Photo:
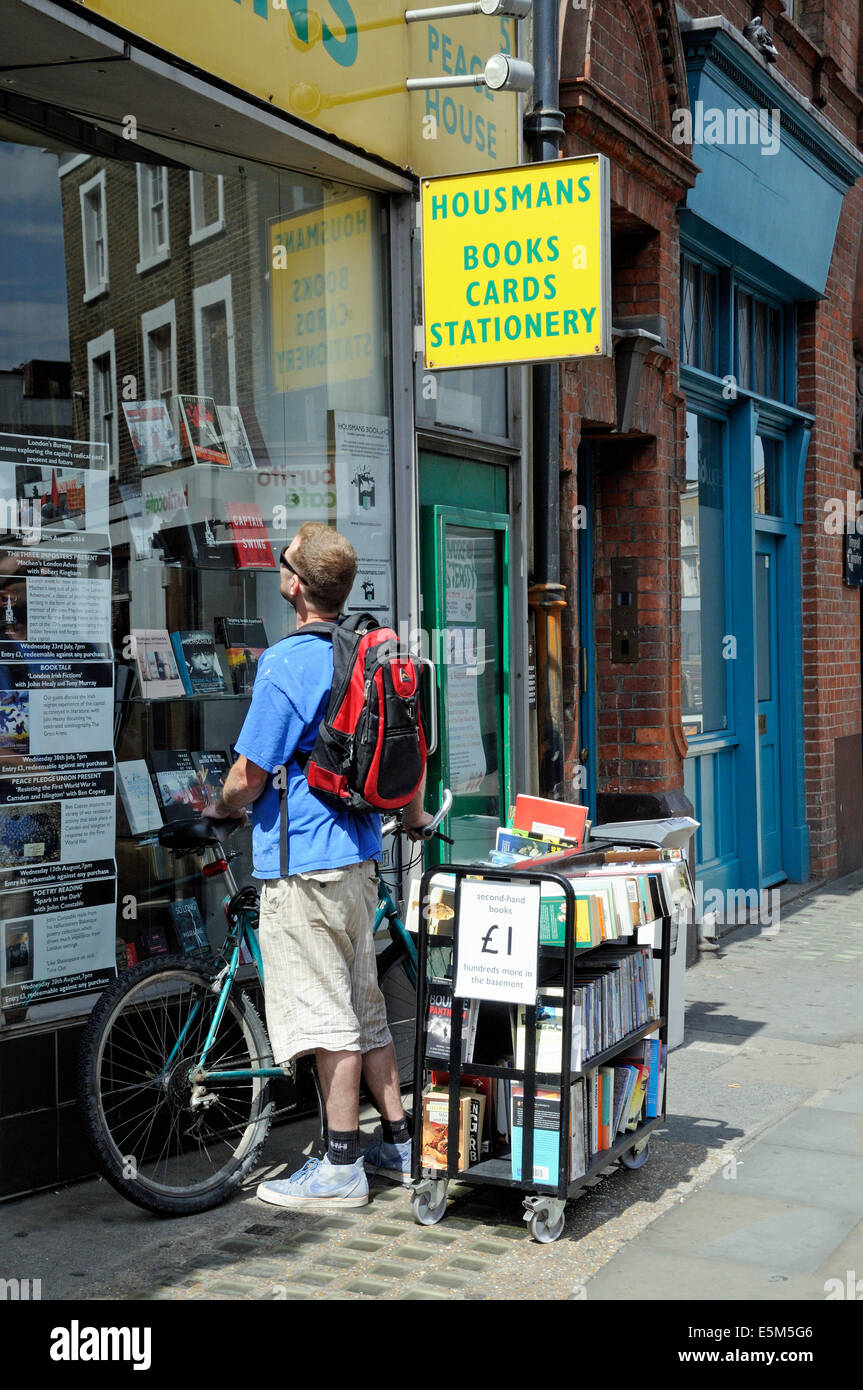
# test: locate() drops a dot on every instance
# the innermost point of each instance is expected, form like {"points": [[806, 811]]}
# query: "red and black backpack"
{"points": [[370, 752]]}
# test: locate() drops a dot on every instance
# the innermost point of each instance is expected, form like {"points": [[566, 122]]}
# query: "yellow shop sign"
{"points": [[341, 66], [323, 321], [516, 264]]}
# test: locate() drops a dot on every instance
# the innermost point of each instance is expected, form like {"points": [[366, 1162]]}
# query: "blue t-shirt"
{"points": [[289, 700]]}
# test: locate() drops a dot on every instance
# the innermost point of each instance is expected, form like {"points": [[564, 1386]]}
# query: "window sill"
{"points": [[206, 233], [150, 262], [96, 293]]}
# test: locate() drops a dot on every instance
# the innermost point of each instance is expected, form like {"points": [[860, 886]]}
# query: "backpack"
{"points": [[370, 752]]}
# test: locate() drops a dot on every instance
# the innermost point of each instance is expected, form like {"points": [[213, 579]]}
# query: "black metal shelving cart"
{"points": [[544, 1202]]}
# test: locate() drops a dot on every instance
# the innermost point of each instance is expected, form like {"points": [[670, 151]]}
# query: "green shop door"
{"points": [[464, 572]]}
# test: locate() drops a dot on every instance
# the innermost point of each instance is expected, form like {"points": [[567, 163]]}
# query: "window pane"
{"points": [[775, 354], [214, 349], [765, 469], [743, 329], [708, 321], [703, 579], [760, 353], [762, 625], [690, 315]]}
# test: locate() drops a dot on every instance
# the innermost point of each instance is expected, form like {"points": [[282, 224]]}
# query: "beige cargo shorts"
{"points": [[320, 974]]}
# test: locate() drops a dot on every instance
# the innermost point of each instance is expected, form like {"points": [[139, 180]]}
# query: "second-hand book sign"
{"points": [[498, 939]]}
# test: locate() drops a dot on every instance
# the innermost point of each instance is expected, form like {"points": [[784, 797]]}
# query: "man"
{"points": [[316, 941]]}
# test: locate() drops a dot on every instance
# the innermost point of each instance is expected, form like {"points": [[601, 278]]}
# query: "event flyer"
{"points": [[47, 708], [54, 603], [55, 941], [363, 486], [52, 821]]}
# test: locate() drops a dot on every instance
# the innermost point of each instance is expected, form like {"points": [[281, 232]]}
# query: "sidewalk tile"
{"points": [[720, 1223], [821, 1128], [808, 1177]]}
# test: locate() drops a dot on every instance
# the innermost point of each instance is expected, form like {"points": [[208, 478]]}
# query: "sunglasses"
{"points": [[286, 565]]}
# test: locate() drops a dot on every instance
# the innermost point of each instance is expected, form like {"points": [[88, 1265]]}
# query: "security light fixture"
{"points": [[514, 9]]}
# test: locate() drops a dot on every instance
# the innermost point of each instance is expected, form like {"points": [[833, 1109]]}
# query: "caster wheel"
{"points": [[424, 1213], [544, 1230], [635, 1158]]}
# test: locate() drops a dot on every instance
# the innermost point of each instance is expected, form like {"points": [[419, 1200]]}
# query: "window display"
{"points": [[223, 342]]}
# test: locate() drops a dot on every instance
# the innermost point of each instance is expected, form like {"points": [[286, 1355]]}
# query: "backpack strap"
{"points": [[321, 629]]}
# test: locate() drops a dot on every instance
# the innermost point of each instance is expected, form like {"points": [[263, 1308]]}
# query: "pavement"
{"points": [[753, 1189]]}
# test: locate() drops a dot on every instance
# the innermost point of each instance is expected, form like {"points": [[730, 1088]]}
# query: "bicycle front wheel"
{"points": [[163, 1142]]}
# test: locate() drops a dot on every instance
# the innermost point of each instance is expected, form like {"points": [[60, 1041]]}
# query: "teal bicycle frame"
{"points": [[241, 929]]}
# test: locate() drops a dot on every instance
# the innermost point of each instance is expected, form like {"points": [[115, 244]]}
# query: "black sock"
{"points": [[343, 1146], [395, 1133]]}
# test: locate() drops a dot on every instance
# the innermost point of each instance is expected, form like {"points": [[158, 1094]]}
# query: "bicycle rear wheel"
{"points": [[164, 1144], [400, 994]]}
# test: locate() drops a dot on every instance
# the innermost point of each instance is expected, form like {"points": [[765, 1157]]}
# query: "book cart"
{"points": [[544, 1202]]}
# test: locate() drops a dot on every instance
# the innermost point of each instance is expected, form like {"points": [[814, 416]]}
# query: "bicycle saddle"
{"points": [[187, 836]]}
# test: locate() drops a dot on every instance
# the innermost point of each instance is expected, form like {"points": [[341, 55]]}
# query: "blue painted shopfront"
{"points": [[757, 237]]}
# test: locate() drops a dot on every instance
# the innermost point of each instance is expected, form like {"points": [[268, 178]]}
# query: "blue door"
{"points": [[768, 695]]}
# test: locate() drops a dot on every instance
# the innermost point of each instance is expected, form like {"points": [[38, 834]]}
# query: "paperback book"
{"points": [[197, 663], [252, 549], [138, 798], [245, 641], [156, 665], [188, 925], [203, 431]]}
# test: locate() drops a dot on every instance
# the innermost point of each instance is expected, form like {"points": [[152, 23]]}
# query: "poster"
{"points": [[57, 794], [50, 708], [54, 603], [55, 819], [461, 579], [55, 941], [364, 506], [467, 765], [372, 590], [498, 941]]}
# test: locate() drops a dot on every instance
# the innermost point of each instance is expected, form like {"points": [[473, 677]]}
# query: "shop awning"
{"points": [[774, 171]]}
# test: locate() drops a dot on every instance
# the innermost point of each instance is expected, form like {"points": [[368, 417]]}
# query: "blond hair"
{"points": [[328, 563]]}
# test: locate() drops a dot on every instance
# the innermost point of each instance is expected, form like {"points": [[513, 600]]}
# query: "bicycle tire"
{"points": [[192, 1158], [400, 996]]}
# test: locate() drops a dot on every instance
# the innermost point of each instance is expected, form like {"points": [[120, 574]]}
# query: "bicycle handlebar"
{"points": [[426, 832]]}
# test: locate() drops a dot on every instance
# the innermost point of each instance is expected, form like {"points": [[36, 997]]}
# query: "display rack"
{"points": [[544, 1202]]}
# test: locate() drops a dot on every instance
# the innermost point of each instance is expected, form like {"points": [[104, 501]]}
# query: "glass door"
{"points": [[465, 580], [770, 800]]}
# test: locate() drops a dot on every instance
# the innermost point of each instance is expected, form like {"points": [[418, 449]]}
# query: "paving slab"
{"points": [[719, 1223], [653, 1274], [822, 1129]]}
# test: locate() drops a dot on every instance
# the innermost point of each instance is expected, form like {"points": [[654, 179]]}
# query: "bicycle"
{"points": [[175, 1068]]}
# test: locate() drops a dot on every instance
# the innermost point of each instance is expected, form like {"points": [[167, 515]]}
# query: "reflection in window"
{"points": [[154, 245], [765, 476], [206, 205], [703, 579], [95, 236]]}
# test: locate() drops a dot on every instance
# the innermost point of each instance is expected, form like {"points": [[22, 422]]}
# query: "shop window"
{"points": [[196, 427], [703, 665], [153, 237], [758, 335], [698, 315], [206, 206], [94, 233]]}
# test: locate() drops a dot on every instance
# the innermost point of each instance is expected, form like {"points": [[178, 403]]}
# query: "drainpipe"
{"points": [[543, 129]]}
